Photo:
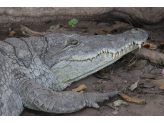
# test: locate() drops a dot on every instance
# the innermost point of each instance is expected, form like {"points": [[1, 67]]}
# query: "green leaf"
{"points": [[73, 21]]}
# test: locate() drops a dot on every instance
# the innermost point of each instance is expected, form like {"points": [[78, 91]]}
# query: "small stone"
{"points": [[115, 112]]}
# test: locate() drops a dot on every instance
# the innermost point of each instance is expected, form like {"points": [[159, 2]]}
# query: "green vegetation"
{"points": [[72, 22]]}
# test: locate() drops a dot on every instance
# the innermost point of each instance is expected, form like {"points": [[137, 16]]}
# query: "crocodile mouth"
{"points": [[114, 54], [107, 58], [70, 72]]}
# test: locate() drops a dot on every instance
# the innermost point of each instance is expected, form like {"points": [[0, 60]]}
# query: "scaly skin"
{"points": [[34, 70]]}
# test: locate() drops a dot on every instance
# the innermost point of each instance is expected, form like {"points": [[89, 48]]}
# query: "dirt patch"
{"points": [[120, 75]]}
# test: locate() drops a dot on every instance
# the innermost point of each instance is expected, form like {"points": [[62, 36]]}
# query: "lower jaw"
{"points": [[93, 71], [99, 68], [74, 73]]}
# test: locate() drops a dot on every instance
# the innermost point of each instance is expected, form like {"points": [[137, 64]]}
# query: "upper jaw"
{"points": [[92, 47], [116, 45], [114, 53]]}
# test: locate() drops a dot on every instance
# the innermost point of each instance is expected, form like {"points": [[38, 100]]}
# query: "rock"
{"points": [[137, 16]]}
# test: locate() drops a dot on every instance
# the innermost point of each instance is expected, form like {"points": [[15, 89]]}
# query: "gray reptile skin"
{"points": [[34, 70]]}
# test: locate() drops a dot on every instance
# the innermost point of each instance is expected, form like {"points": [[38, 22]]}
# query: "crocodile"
{"points": [[35, 70]]}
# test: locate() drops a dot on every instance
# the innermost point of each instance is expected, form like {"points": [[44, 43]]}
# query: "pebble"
{"points": [[115, 112]]}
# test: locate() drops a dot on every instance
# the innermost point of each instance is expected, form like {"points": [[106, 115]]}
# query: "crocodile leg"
{"points": [[10, 101], [38, 97]]}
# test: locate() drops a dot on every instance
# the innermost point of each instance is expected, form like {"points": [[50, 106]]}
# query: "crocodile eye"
{"points": [[73, 42]]}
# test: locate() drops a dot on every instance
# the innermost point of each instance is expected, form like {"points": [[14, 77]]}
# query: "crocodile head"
{"points": [[74, 57]]}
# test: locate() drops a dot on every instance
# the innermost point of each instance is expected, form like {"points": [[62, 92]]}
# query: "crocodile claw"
{"points": [[91, 99]]}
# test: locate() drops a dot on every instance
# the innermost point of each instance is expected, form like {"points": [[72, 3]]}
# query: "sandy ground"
{"points": [[119, 75]]}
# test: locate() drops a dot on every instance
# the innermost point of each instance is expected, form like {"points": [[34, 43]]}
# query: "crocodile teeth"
{"points": [[119, 52], [101, 51], [114, 55], [123, 51]]}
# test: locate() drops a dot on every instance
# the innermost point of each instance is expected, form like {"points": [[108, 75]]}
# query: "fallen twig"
{"points": [[132, 63], [111, 106], [27, 31]]}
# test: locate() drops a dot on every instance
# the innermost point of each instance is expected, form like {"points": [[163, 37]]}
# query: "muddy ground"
{"points": [[118, 76]]}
